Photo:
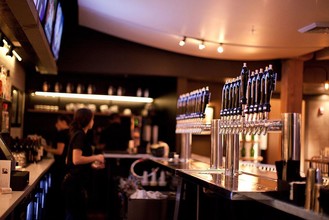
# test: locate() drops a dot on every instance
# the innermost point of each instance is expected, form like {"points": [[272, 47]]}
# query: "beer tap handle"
{"points": [[230, 99], [253, 92], [243, 85], [256, 82], [248, 94], [233, 100], [257, 90], [223, 101], [262, 91], [237, 105], [270, 83], [205, 99]]}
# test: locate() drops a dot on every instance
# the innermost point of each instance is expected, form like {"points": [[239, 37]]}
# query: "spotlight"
{"points": [[19, 58], [326, 85], [10, 51], [220, 48], [201, 45], [182, 42]]}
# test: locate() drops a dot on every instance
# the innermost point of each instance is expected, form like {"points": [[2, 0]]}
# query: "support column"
{"points": [[292, 86]]}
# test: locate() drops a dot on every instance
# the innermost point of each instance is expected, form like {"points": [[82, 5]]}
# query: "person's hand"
{"points": [[100, 158], [99, 163]]}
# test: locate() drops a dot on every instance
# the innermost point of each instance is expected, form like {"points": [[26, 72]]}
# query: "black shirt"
{"points": [[115, 137], [63, 136], [80, 141]]}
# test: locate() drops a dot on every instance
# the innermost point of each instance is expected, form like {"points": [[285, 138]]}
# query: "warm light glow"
{"points": [[182, 42], [96, 97], [209, 114], [326, 85], [19, 58], [220, 48], [201, 45]]}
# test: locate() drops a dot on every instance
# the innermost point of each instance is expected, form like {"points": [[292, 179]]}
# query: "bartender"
{"points": [[114, 137]]}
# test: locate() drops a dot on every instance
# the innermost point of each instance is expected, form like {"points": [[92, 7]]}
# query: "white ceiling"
{"points": [[248, 29]]}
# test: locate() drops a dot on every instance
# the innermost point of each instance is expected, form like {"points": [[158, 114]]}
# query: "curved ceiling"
{"points": [[248, 29]]}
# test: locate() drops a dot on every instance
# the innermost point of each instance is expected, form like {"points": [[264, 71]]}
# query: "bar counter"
{"points": [[8, 202], [252, 183]]}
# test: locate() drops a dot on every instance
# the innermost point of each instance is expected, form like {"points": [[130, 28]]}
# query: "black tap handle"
{"points": [[238, 104], [205, 100], [262, 91], [252, 91], [257, 90], [248, 94], [235, 97], [243, 85], [270, 82], [231, 98], [223, 100], [226, 99]]}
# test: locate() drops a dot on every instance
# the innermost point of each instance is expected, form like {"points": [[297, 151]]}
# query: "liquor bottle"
{"points": [[243, 149], [5, 118], [252, 150], [110, 90], [90, 89], [57, 87], [139, 92], [8, 86], [45, 86]]}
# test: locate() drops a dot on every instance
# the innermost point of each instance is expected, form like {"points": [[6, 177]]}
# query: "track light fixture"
{"points": [[201, 45], [182, 42], [4, 42], [19, 58], [202, 42], [220, 48]]}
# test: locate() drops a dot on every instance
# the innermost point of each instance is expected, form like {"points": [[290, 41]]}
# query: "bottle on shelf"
{"points": [[243, 149], [5, 118], [110, 90], [3, 82], [57, 87], [8, 86], [45, 86], [252, 150]]}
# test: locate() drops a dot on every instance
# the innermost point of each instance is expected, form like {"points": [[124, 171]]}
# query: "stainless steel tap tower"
{"points": [[191, 118], [245, 109]]}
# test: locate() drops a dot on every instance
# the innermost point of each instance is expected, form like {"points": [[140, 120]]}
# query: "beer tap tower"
{"points": [[245, 110], [191, 119]]}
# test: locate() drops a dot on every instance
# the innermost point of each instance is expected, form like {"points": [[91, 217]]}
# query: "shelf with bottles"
{"points": [[49, 104]]}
